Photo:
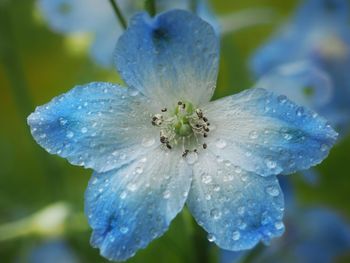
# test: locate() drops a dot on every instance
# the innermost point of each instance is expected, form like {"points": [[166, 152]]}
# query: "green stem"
{"points": [[150, 6], [119, 14], [194, 6]]}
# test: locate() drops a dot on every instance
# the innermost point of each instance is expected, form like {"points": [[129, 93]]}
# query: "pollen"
{"points": [[184, 126]]}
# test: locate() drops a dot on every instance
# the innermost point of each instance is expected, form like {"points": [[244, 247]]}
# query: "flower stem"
{"points": [[150, 6], [119, 14], [194, 5]]}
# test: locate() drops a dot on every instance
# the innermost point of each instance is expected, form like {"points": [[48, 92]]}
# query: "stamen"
{"points": [[185, 125]]}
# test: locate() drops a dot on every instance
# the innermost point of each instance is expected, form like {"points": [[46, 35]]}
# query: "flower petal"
{"points": [[237, 208], [266, 134], [99, 125], [129, 207], [170, 57], [301, 82]]}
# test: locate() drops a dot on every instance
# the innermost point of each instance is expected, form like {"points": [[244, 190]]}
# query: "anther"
{"points": [[179, 103], [205, 146], [205, 135], [164, 109], [184, 154], [199, 113], [205, 119], [206, 129], [168, 146]]}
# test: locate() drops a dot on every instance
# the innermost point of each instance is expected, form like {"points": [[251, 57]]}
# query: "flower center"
{"points": [[185, 126]]}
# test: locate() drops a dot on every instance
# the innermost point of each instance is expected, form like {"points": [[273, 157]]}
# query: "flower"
{"points": [[97, 18], [319, 34], [161, 143], [54, 250]]}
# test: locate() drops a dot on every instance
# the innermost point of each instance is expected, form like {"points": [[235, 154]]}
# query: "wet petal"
{"points": [[237, 208], [266, 134], [129, 207], [170, 57], [301, 82], [99, 125]]}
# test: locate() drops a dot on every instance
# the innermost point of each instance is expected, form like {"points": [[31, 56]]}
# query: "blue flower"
{"points": [[55, 251], [319, 33], [98, 19], [161, 143]]}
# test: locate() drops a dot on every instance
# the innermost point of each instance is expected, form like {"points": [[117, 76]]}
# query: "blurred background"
{"points": [[42, 196]]}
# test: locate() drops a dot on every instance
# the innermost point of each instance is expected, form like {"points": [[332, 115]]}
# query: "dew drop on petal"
{"points": [[124, 230], [253, 135], [84, 130], [211, 238], [148, 142], [270, 164], [70, 134], [191, 158], [220, 143], [236, 235], [272, 190], [139, 170], [279, 225], [206, 178], [166, 194], [215, 213]]}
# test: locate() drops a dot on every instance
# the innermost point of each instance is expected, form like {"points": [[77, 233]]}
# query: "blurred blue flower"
{"points": [[161, 143], [97, 18], [319, 33], [313, 234], [53, 251]]}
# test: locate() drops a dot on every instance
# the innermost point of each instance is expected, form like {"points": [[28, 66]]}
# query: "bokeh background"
{"points": [[38, 64]]}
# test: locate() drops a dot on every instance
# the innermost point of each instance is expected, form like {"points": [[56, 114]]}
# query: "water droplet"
{"points": [[282, 99], [236, 235], [84, 130], [272, 190], [123, 195], [166, 194], [133, 92], [300, 111], [139, 170], [191, 158], [70, 134], [324, 147], [132, 187], [94, 181], [124, 230], [63, 121], [253, 135], [220, 143], [43, 135], [241, 210], [211, 238], [206, 178], [271, 164], [279, 225], [215, 213], [148, 142]]}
